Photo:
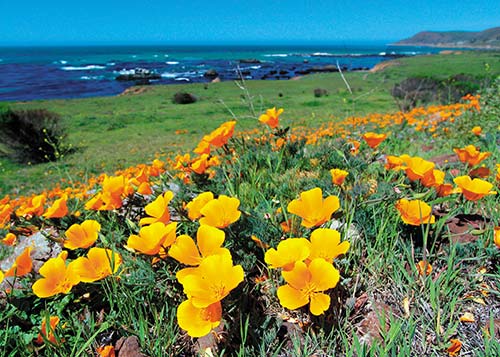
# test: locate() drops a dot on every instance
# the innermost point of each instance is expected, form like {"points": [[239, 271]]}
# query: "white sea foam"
{"points": [[110, 64], [91, 78], [83, 68], [322, 54], [169, 75], [182, 79], [255, 67], [172, 62], [382, 53], [277, 55]]}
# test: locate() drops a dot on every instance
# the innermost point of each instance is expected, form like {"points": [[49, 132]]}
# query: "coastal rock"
{"points": [[141, 75], [328, 68], [211, 74], [184, 98], [249, 60]]}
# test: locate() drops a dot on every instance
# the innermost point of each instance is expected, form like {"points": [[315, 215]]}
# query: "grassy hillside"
{"points": [[115, 132], [489, 38]]}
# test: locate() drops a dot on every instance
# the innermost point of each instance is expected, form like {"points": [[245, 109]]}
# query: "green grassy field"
{"points": [[115, 132]]}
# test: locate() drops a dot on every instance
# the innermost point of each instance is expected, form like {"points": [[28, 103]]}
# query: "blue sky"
{"points": [[162, 21]]}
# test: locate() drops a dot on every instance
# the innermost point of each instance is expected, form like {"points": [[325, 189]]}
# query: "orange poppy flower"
{"points": [[473, 189], [220, 212], [496, 236], [338, 176], [194, 207], [394, 163], [34, 207], [153, 239], [158, 210], [57, 277], [197, 321], [200, 164], [454, 349], [97, 265], [476, 130], [433, 178], [424, 268], [5, 213], [471, 155], [220, 136], [58, 209], [10, 239], [415, 212], [211, 281], [23, 264], [82, 235], [373, 139], [48, 333], [306, 284], [288, 252], [417, 168], [498, 173], [106, 351], [311, 207], [202, 148], [271, 117], [354, 147], [209, 239]]}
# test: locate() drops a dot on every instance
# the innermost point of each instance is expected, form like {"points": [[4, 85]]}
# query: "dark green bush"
{"points": [[32, 136]]}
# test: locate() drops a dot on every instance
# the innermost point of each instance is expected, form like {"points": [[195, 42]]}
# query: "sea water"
{"points": [[30, 73]]}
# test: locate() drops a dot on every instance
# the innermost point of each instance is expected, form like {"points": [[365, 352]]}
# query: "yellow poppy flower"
{"points": [[98, 264], [153, 239], [338, 176], [325, 243], [289, 251], [198, 322], [209, 239], [194, 207], [306, 284], [158, 209], [415, 212], [311, 207], [473, 189], [496, 236], [220, 212], [82, 235], [57, 277], [212, 280]]}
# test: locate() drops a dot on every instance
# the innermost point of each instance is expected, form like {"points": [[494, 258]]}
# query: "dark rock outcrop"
{"points": [[141, 75]]}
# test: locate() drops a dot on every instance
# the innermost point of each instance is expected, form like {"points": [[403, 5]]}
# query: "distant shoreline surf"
{"points": [[32, 73]]}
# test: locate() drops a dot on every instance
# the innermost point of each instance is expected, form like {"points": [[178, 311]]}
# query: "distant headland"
{"points": [[487, 39]]}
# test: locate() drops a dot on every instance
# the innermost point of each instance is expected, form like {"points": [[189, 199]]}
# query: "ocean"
{"points": [[31, 73]]}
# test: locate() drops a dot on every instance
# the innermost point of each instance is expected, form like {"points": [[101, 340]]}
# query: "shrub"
{"points": [[184, 98], [32, 136], [320, 92]]}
